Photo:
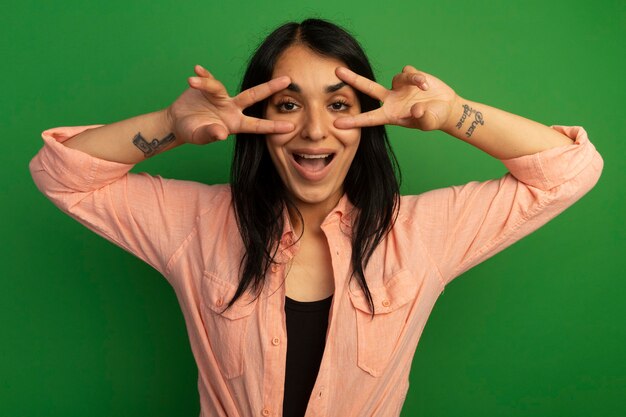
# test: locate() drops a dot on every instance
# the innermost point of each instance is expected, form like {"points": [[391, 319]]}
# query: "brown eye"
{"points": [[286, 106], [339, 106]]}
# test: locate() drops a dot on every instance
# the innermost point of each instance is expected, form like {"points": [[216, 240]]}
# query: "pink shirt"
{"points": [[187, 231]]}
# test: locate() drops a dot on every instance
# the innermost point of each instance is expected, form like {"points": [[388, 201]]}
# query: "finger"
{"points": [[418, 110], [420, 77], [409, 68], [208, 85], [263, 126], [260, 92], [371, 118], [409, 78], [365, 85], [406, 78], [209, 133], [202, 72], [426, 120]]}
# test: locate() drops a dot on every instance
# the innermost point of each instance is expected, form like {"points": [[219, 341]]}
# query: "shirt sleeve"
{"points": [[148, 216], [464, 225]]}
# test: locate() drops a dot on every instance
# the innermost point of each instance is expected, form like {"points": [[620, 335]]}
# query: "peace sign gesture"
{"points": [[417, 100], [205, 112]]}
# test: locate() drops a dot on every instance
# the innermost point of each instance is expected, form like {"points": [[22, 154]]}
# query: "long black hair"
{"points": [[259, 196]]}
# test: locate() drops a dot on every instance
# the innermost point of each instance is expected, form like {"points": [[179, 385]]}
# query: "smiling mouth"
{"points": [[313, 163]]}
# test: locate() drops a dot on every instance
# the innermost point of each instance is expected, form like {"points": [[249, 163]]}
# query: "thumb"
{"points": [[208, 133], [425, 116]]}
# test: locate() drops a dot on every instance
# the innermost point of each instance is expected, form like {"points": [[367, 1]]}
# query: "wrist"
{"points": [[455, 116], [166, 119], [167, 123]]}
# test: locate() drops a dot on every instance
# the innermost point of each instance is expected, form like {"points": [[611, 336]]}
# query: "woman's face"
{"points": [[315, 157]]}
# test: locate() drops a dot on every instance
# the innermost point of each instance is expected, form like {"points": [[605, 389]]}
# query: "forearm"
{"points": [[501, 134], [128, 141]]}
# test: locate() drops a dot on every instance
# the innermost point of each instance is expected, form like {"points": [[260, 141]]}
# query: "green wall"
{"points": [[538, 330]]}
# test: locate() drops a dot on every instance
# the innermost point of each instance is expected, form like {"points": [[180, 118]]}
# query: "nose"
{"points": [[315, 125]]}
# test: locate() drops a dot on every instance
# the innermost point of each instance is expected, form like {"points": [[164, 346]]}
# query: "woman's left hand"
{"points": [[417, 100]]}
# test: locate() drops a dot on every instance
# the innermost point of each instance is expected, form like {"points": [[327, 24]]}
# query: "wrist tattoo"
{"points": [[478, 119], [153, 147]]}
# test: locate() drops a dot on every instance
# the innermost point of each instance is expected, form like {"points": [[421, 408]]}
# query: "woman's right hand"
{"points": [[205, 112]]}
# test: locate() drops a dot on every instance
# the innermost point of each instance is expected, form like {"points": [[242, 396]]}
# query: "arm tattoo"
{"points": [[153, 147], [478, 119]]}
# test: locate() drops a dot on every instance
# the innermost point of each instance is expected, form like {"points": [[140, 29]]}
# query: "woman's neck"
{"points": [[313, 215]]}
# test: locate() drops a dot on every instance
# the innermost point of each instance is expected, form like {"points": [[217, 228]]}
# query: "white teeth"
{"points": [[305, 156]]}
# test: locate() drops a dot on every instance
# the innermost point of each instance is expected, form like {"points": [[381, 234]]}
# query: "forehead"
{"points": [[302, 64]]}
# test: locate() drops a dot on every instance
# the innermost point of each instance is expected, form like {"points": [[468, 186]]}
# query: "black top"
{"points": [[307, 322]]}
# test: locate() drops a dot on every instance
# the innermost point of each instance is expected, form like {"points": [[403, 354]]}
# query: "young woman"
{"points": [[306, 282]]}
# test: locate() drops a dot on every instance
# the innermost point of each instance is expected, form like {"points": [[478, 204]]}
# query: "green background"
{"points": [[537, 330]]}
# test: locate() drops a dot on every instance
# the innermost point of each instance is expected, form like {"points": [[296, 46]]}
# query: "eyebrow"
{"points": [[330, 89]]}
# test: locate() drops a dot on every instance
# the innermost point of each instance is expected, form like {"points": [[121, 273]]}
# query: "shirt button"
{"points": [[265, 412], [219, 302], [276, 341], [386, 303], [274, 268]]}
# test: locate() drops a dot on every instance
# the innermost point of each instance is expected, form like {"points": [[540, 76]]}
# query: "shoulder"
{"points": [[216, 196], [189, 197], [427, 204]]}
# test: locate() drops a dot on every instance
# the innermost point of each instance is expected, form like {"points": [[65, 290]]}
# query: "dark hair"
{"points": [[259, 196]]}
